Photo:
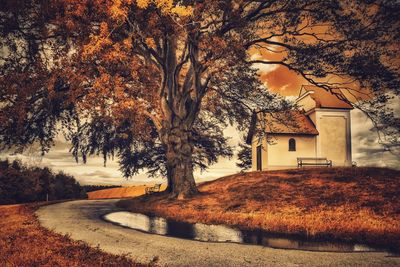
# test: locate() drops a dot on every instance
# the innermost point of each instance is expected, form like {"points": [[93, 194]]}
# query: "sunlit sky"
{"points": [[366, 150]]}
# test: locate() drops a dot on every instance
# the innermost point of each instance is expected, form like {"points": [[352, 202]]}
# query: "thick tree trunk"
{"points": [[181, 182], [179, 112]]}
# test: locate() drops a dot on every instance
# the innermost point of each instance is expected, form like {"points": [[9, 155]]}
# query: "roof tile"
{"points": [[293, 122]]}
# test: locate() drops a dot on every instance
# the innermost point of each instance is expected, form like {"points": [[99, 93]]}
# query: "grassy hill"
{"points": [[357, 204], [120, 192]]}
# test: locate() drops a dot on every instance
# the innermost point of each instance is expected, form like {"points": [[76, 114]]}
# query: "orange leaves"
{"points": [[102, 82], [183, 11], [167, 7], [117, 11], [104, 29], [97, 42], [115, 53], [142, 3], [127, 43], [150, 43], [110, 50]]}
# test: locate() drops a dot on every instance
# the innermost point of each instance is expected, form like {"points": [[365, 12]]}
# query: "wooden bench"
{"points": [[153, 189], [314, 162]]}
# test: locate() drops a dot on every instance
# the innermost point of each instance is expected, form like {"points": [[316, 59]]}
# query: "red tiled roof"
{"points": [[325, 99], [293, 122]]}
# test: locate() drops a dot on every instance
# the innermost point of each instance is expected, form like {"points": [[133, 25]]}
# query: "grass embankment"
{"points": [[120, 192], [23, 242], [352, 204]]}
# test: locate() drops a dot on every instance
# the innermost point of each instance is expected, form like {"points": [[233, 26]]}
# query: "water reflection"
{"points": [[221, 233], [217, 233]]}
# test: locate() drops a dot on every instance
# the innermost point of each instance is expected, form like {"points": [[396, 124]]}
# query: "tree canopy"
{"points": [[155, 82]]}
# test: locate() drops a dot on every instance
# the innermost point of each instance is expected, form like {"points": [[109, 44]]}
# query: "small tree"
{"points": [[244, 156], [155, 82]]}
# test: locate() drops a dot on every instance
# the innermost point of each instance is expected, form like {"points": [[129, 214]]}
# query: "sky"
{"points": [[366, 150]]}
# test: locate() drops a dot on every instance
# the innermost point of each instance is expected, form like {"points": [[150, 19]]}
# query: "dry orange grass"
{"points": [[357, 204], [120, 192], [23, 242]]}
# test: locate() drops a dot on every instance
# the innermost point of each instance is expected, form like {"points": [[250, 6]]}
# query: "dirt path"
{"points": [[82, 220]]}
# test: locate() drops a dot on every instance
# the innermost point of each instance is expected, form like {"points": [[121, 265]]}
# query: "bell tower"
{"points": [[331, 117]]}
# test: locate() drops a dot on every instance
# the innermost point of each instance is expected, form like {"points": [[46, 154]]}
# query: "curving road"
{"points": [[82, 221]]}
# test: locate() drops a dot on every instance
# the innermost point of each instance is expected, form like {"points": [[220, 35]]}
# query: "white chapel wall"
{"points": [[334, 140], [279, 154]]}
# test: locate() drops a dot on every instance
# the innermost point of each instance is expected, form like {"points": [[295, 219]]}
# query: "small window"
{"points": [[292, 144]]}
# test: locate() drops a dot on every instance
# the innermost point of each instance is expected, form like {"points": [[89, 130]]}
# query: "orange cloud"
{"points": [[277, 78], [282, 81]]}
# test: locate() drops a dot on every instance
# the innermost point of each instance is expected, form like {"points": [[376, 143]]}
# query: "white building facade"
{"points": [[321, 130]]}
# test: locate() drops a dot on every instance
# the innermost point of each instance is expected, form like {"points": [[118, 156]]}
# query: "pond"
{"points": [[222, 233]]}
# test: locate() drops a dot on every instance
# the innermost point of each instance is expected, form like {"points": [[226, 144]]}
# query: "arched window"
{"points": [[292, 144]]}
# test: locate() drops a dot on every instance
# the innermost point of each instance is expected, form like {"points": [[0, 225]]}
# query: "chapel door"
{"points": [[259, 159]]}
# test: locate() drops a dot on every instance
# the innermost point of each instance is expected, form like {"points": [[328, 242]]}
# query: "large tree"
{"points": [[156, 81]]}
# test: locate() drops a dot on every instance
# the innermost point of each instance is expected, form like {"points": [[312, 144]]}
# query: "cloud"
{"points": [[263, 68], [282, 81], [99, 173], [109, 176], [367, 151]]}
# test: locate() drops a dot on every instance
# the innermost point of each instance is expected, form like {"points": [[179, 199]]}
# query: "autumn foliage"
{"points": [[155, 82]]}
